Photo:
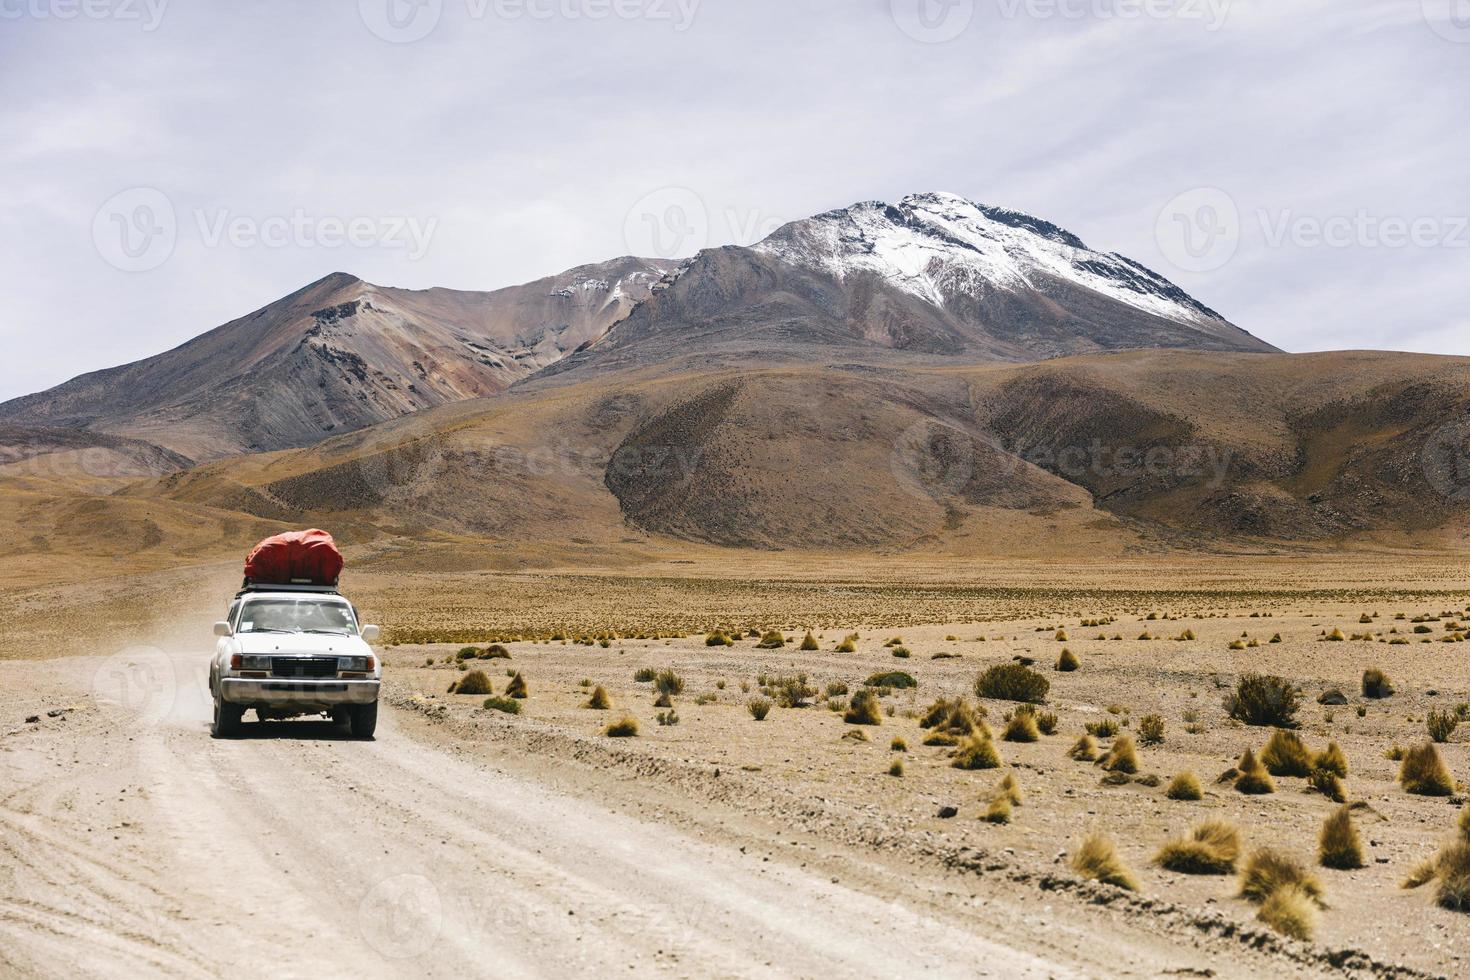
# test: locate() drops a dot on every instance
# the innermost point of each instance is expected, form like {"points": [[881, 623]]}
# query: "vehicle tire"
{"points": [[341, 716], [227, 717], [364, 720]]}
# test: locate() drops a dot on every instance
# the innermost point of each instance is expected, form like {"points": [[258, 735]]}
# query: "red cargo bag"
{"points": [[295, 558]]}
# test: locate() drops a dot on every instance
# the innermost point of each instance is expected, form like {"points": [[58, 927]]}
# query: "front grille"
{"points": [[303, 666]]}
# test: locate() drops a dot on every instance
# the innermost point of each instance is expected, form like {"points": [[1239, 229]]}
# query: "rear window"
{"points": [[306, 615]]}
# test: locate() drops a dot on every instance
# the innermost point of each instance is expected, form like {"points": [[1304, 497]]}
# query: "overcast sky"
{"points": [[167, 165]]}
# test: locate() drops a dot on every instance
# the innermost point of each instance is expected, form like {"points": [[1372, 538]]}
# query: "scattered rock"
{"points": [[948, 812], [32, 719], [1332, 696]]}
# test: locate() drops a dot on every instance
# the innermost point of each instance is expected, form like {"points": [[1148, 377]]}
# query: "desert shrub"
{"points": [[1106, 728], [1211, 848], [809, 642], [626, 728], [955, 716], [644, 674], [517, 688], [1331, 759], [667, 719], [1096, 858], [1267, 871], [718, 639], [475, 682], [896, 679], [895, 768], [1442, 725], [1184, 786], [1452, 869], [771, 640], [791, 691], [898, 745], [1290, 911], [1423, 772], [1122, 757], [999, 810], [1260, 699], [1021, 727], [1151, 729], [902, 653], [848, 644], [599, 701], [668, 682], [1338, 846], [976, 752], [509, 706], [1046, 721], [1010, 787], [663, 701], [1068, 661], [864, 709], [708, 697], [494, 652], [1012, 682], [1286, 755], [758, 708], [1253, 778], [1376, 684], [467, 653], [1085, 749], [836, 689]]}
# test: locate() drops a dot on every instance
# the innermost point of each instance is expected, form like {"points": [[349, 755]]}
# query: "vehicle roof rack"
{"points": [[307, 587]]}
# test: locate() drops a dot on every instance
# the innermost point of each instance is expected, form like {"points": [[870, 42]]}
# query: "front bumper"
{"points": [[297, 693]]}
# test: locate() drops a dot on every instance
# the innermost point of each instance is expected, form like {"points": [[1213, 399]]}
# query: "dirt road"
{"points": [[133, 844]]}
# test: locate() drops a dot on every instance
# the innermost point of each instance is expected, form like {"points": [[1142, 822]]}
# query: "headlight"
{"points": [[239, 662], [357, 665]]}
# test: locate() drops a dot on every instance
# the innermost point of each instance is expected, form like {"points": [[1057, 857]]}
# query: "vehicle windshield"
{"points": [[297, 616]]}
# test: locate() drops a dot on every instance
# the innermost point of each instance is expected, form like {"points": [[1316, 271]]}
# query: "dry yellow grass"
{"points": [[1096, 858]]}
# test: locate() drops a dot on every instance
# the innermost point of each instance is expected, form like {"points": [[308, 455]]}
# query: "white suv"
{"points": [[287, 651]]}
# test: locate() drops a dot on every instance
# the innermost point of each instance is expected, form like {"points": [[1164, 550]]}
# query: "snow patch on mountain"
{"points": [[939, 247]]}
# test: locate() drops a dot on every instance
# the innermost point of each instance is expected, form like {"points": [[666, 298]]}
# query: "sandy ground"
{"points": [[468, 842]]}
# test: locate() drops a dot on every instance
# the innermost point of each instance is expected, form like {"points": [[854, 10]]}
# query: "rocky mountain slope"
{"points": [[338, 355]]}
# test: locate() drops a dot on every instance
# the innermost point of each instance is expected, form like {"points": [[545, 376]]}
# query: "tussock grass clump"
{"points": [[599, 701], [1267, 871], [643, 675], [952, 716], [791, 691], [1151, 729], [1261, 699], [1012, 682], [1423, 772], [1097, 859], [864, 709], [505, 705], [976, 752], [1122, 757], [771, 640], [663, 701], [1376, 684], [1068, 661], [475, 682], [494, 652], [1010, 787], [1106, 728], [809, 642], [1332, 760], [848, 644], [999, 810], [1252, 778], [1286, 755], [1021, 727], [517, 688], [1328, 784], [1185, 786], [1291, 912], [1339, 846], [1441, 725], [1084, 750], [758, 708], [898, 744], [1046, 721], [718, 639], [668, 682], [1452, 869], [626, 728], [895, 768], [1212, 848], [667, 719]]}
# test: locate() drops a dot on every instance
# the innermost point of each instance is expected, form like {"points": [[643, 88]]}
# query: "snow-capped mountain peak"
{"points": [[940, 246]]}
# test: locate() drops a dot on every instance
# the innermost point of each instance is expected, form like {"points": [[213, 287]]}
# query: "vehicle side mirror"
{"points": [[223, 629], [370, 634]]}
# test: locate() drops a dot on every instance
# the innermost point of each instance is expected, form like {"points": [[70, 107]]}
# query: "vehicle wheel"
{"points": [[227, 717], [341, 716], [364, 720]]}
